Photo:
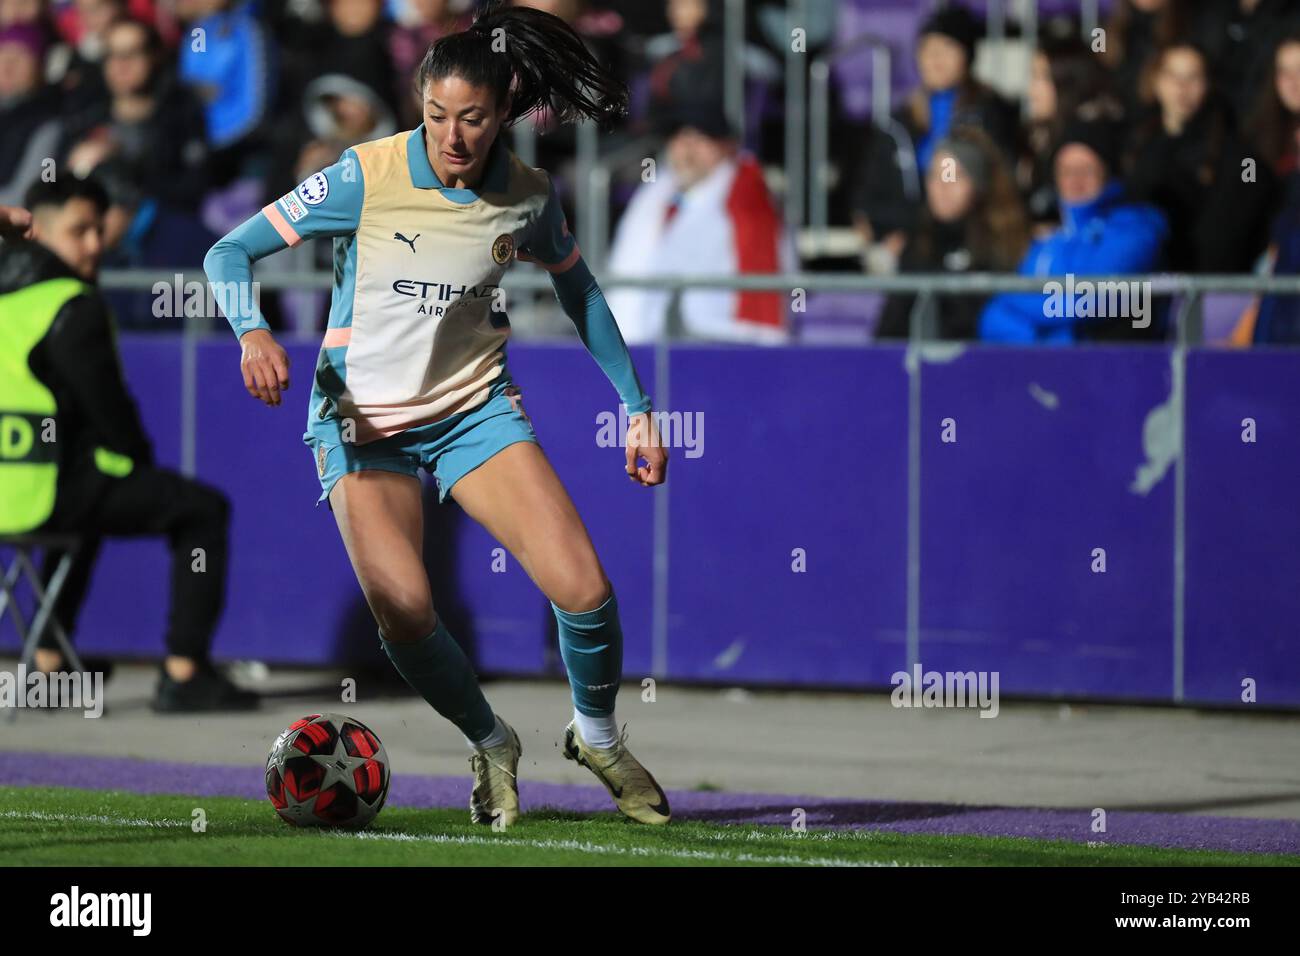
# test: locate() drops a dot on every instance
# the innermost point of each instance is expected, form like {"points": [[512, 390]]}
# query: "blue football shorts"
{"points": [[448, 449]]}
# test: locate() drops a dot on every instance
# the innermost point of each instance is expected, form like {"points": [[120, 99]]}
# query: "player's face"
{"points": [[74, 233], [461, 122]]}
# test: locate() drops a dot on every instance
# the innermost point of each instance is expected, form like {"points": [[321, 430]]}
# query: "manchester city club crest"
{"points": [[503, 249]]}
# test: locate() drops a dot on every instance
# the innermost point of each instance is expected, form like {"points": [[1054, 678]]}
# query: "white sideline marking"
{"points": [[580, 846], [87, 818], [589, 847]]}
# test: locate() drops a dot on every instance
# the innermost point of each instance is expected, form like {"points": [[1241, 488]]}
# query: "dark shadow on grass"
{"points": [[549, 814], [846, 813]]}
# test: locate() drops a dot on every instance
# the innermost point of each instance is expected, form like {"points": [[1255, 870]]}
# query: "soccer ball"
{"points": [[327, 770]]}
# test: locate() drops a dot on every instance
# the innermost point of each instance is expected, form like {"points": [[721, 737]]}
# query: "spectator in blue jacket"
{"points": [[1101, 233], [230, 63]]}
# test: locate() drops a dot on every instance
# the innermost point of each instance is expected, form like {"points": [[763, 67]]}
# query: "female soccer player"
{"points": [[412, 373]]}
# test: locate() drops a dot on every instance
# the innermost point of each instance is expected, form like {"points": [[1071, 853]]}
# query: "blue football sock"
{"points": [[438, 669], [591, 644]]}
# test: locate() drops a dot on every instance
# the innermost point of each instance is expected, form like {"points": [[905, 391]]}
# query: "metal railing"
{"points": [[1190, 288], [734, 77], [968, 283], [795, 116]]}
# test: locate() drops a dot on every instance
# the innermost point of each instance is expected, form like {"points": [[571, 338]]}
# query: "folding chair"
{"points": [[24, 545]]}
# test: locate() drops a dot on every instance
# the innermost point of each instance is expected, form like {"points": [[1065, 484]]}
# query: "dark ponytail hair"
{"points": [[536, 58]]}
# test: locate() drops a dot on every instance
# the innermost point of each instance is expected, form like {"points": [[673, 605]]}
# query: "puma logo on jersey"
{"points": [[409, 242]]}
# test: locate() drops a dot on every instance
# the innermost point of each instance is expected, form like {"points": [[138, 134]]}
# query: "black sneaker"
{"points": [[207, 690]]}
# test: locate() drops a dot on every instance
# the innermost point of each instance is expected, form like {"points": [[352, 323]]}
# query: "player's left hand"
{"points": [[643, 442]]}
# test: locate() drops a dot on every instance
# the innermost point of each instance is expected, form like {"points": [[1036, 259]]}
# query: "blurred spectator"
{"points": [[1238, 36], [78, 66], [29, 111], [233, 70], [972, 222], [407, 45], [142, 233], [888, 191], [1102, 233], [1274, 127], [687, 64], [1135, 30], [1188, 161], [706, 212], [341, 112], [355, 41], [150, 123], [77, 19], [32, 12], [339, 91], [1066, 83]]}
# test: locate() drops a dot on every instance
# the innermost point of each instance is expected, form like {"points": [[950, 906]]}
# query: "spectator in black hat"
{"points": [[888, 191], [1067, 82], [1102, 232]]}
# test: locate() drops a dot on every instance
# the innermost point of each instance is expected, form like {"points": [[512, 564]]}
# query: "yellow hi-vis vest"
{"points": [[29, 470]]}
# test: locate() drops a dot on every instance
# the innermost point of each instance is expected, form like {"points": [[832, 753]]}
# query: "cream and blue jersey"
{"points": [[417, 327]]}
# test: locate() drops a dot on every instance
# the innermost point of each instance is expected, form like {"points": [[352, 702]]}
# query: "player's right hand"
{"points": [[265, 365]]}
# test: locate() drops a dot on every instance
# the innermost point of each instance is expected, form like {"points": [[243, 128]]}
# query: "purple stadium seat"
{"points": [[894, 22], [836, 318], [1220, 313]]}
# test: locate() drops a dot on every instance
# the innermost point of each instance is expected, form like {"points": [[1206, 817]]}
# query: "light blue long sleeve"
{"points": [[229, 266], [327, 203], [554, 248], [585, 305]]}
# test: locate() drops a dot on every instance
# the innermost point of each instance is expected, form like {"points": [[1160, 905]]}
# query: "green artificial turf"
{"points": [[67, 827]]}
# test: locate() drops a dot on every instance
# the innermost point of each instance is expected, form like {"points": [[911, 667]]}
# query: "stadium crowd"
{"points": [[1168, 141]]}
